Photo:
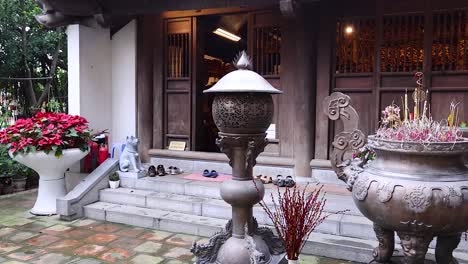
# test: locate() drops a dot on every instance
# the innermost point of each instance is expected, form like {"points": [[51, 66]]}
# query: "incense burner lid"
{"points": [[243, 80]]}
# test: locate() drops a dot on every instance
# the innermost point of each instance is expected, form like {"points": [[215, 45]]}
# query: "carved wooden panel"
{"points": [[409, 36], [265, 43], [450, 41], [355, 43], [402, 48]]}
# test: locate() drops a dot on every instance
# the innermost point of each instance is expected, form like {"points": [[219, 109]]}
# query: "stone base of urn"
{"points": [[242, 241], [51, 172]]}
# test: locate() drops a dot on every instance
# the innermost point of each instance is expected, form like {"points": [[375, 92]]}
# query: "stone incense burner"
{"points": [[415, 190]]}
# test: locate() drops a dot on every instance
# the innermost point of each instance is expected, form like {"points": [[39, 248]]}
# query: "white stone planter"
{"points": [[292, 261], [114, 184], [51, 172]]}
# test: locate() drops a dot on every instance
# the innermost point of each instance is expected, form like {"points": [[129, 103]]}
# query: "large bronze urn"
{"points": [[416, 190], [242, 111]]}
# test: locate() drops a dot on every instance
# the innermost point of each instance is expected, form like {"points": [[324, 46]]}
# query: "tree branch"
{"points": [[53, 68], [29, 91]]}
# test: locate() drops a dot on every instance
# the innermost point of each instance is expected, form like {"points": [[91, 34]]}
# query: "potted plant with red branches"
{"points": [[295, 214], [48, 143]]}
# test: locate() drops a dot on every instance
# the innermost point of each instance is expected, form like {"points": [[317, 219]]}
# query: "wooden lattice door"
{"points": [[178, 76]]}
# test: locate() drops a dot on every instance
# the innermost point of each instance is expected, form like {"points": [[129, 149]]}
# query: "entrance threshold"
{"points": [[197, 161]]}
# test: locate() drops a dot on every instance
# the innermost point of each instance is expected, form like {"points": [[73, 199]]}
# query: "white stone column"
{"points": [[102, 78], [90, 75], [124, 52]]}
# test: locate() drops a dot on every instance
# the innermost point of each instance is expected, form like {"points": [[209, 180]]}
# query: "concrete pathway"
{"points": [[25, 238]]}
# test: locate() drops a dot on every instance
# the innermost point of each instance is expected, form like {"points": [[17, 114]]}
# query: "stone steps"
{"points": [[344, 225], [336, 201], [318, 244], [154, 218], [195, 207]]}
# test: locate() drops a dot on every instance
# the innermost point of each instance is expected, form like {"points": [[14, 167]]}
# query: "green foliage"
{"points": [[54, 106], [9, 167], [17, 17], [114, 177], [6, 163]]}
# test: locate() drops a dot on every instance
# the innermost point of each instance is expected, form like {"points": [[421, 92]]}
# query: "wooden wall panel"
{"points": [[388, 98], [354, 82], [405, 81], [452, 81], [441, 102], [178, 114]]}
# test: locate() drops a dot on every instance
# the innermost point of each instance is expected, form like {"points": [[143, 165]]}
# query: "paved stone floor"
{"points": [[25, 238]]}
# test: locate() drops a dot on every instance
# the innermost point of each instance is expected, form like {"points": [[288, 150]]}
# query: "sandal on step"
{"points": [[152, 171], [161, 170], [206, 173], [258, 177], [175, 171], [289, 182], [213, 174], [279, 181], [266, 179]]}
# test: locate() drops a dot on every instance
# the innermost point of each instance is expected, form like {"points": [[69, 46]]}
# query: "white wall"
{"points": [[102, 78], [124, 83], [89, 75]]}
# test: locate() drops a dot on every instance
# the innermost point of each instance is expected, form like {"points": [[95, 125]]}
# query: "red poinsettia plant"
{"points": [[48, 132]]}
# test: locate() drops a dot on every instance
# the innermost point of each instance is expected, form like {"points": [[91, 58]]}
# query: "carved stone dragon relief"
{"points": [[337, 106]]}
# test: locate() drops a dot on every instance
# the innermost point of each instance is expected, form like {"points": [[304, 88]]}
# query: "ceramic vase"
{"points": [[51, 172]]}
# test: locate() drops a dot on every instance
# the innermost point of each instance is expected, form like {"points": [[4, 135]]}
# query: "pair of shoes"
{"points": [[289, 181], [161, 171], [152, 171], [175, 170], [282, 182], [264, 179], [210, 174]]}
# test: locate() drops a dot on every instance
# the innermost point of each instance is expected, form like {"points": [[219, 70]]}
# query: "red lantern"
{"points": [[103, 154]]}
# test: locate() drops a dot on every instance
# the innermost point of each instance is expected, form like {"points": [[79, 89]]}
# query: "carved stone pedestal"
{"points": [[243, 241]]}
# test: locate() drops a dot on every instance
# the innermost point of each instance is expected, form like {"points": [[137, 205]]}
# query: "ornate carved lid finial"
{"points": [[243, 61], [243, 80]]}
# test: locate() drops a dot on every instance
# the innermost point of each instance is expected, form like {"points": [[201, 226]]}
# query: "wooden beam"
{"points": [[324, 50], [377, 64], [428, 38], [158, 85], [145, 46]]}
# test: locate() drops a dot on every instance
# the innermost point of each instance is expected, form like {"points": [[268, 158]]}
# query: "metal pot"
{"points": [[416, 190], [19, 183]]}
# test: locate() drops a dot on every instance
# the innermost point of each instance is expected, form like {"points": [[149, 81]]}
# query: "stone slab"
{"points": [[174, 202], [356, 226], [70, 207], [124, 196], [132, 175], [326, 176]]}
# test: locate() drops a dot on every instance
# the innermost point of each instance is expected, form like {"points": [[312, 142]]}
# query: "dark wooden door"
{"points": [[178, 50], [264, 46]]}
